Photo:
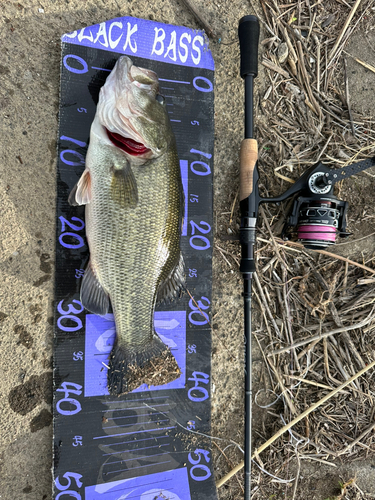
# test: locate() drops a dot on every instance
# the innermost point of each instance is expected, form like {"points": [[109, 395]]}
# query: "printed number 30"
{"points": [[197, 309]]}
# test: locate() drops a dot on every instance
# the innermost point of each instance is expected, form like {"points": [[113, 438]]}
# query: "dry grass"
{"points": [[304, 117]]}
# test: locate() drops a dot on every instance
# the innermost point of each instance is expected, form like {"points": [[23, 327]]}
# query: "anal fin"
{"points": [[171, 286], [93, 296]]}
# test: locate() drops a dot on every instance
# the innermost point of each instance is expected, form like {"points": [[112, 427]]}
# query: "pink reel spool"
{"points": [[316, 235]]}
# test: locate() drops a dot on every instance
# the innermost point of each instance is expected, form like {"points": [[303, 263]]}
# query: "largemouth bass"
{"points": [[133, 194]]}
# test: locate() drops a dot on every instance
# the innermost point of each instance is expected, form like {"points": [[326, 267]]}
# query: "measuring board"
{"points": [[149, 444]]}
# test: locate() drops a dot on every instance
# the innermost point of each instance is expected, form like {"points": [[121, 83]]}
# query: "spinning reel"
{"points": [[317, 216]]}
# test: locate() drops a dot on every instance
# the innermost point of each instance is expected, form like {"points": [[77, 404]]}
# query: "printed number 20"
{"points": [[65, 222], [205, 228]]}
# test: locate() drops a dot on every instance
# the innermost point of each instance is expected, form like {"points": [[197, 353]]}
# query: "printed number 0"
{"points": [[205, 168], [78, 60], [203, 468], [209, 87]]}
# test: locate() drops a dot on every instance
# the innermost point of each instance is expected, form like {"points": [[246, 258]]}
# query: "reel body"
{"points": [[316, 221]]}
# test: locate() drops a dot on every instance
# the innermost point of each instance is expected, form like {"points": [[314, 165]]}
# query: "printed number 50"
{"points": [[64, 488], [197, 466]]}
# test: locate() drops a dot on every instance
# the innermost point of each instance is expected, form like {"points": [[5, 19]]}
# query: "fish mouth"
{"points": [[126, 144]]}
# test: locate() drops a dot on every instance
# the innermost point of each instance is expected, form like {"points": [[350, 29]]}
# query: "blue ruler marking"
{"points": [[151, 487], [100, 337]]}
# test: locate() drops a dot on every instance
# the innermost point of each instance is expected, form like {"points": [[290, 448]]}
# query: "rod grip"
{"points": [[248, 34], [248, 159]]}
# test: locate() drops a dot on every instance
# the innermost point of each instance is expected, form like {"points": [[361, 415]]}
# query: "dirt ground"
{"points": [[29, 93]]}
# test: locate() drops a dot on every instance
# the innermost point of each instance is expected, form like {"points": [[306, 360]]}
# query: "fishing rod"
{"points": [[316, 217], [248, 34]]}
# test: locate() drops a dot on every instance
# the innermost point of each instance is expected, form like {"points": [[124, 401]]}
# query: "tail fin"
{"points": [[154, 364]]}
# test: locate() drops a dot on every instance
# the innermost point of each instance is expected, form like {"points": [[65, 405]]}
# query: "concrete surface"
{"points": [[29, 86]]}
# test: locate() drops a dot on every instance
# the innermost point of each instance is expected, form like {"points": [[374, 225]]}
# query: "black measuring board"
{"points": [[149, 444]]}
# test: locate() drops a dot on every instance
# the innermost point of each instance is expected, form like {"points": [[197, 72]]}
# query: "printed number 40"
{"points": [[69, 388], [198, 393]]}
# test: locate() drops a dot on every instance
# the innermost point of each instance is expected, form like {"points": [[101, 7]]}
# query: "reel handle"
{"points": [[248, 34]]}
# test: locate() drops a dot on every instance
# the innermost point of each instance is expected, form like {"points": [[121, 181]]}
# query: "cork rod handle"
{"points": [[248, 159]]}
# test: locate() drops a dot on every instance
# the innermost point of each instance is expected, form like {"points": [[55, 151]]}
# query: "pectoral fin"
{"points": [[124, 187], [170, 287], [81, 193], [93, 296]]}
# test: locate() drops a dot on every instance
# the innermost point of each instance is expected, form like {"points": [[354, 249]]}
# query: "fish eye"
{"points": [[160, 99]]}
